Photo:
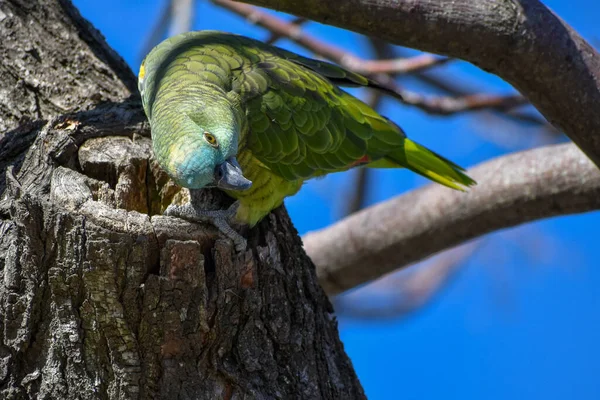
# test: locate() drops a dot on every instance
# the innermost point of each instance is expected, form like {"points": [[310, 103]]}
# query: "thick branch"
{"points": [[521, 187], [521, 41]]}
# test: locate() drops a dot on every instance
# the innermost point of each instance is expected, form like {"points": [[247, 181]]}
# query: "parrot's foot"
{"points": [[221, 219]]}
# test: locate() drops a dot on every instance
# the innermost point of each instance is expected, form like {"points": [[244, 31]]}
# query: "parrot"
{"points": [[256, 121]]}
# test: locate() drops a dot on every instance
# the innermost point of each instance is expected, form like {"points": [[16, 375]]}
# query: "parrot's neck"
{"points": [[267, 192]]}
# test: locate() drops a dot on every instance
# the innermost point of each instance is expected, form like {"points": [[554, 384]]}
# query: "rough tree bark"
{"points": [[103, 297]]}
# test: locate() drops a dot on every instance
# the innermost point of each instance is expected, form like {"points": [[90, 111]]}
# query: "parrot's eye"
{"points": [[209, 137]]}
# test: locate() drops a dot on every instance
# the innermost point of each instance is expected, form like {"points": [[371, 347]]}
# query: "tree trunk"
{"points": [[103, 297]]}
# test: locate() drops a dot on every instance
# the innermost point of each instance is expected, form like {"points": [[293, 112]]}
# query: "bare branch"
{"points": [[450, 87], [521, 41], [177, 17], [276, 36], [156, 33], [358, 191], [362, 176], [514, 189], [397, 66], [293, 31], [444, 105]]}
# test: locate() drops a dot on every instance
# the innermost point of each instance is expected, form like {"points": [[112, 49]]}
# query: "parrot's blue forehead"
{"points": [[191, 165], [191, 161]]}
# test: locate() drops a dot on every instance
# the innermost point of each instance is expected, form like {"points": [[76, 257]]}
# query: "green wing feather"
{"points": [[303, 125]]}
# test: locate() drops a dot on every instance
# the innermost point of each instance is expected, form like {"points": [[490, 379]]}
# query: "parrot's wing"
{"points": [[302, 125], [341, 76]]}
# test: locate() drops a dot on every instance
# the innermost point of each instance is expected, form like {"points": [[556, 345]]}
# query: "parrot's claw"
{"points": [[221, 219]]}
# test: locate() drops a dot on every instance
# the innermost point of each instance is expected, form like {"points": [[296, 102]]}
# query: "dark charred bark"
{"points": [[103, 297]]}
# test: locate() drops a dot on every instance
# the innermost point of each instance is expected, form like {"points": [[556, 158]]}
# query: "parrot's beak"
{"points": [[229, 176]]}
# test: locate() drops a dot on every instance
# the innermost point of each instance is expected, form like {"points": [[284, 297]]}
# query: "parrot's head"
{"points": [[203, 147]]}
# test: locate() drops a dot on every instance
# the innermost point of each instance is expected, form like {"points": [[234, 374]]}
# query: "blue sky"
{"points": [[521, 318]]}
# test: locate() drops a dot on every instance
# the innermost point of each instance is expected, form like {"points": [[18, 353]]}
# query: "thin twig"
{"points": [[177, 17], [182, 16], [453, 90], [396, 66], [157, 31], [378, 70], [276, 36]]}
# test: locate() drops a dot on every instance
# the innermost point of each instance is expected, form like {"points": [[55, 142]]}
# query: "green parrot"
{"points": [[257, 121]]}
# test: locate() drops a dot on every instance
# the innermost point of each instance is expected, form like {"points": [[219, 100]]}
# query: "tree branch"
{"points": [[276, 36], [292, 30], [362, 176], [448, 85], [521, 41], [521, 187], [176, 17]]}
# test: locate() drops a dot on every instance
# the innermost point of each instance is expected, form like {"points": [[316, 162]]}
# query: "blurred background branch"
{"points": [[176, 17], [404, 292]]}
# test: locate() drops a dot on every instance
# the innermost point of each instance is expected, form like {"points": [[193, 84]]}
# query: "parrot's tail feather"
{"points": [[425, 162]]}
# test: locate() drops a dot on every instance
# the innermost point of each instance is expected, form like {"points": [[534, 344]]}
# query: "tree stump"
{"points": [[102, 296]]}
